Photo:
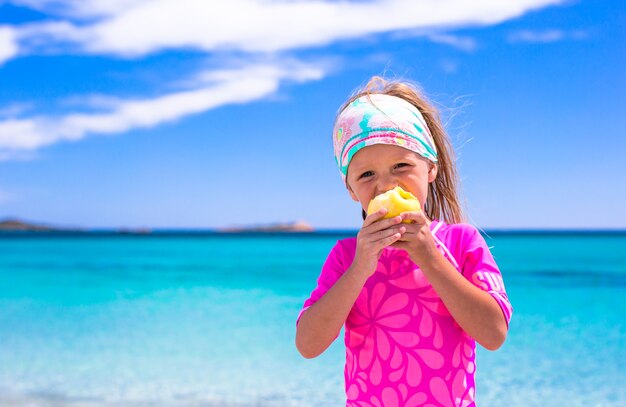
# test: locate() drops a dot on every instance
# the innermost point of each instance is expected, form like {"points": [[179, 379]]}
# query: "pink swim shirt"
{"points": [[403, 348]]}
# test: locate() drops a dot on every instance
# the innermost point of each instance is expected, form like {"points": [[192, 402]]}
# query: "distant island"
{"points": [[299, 226], [19, 225], [16, 225]]}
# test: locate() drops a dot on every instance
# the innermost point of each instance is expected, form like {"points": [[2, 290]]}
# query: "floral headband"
{"points": [[380, 119]]}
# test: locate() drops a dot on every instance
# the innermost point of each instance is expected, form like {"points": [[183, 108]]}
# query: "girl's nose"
{"points": [[385, 184]]}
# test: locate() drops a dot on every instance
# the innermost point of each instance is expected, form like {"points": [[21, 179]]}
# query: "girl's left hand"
{"points": [[417, 239]]}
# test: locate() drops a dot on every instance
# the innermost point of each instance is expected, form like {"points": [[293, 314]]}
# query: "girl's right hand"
{"points": [[375, 234]]}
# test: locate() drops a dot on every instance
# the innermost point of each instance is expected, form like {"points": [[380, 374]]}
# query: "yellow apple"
{"points": [[396, 201]]}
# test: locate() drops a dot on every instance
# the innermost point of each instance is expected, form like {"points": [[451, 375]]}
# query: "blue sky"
{"points": [[194, 114]]}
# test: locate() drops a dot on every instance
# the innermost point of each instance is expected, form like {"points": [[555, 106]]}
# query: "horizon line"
{"points": [[316, 232]]}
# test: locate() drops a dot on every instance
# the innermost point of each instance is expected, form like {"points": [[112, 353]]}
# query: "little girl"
{"points": [[415, 291]]}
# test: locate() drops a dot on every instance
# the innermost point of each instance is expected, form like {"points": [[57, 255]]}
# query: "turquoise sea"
{"points": [[201, 319]]}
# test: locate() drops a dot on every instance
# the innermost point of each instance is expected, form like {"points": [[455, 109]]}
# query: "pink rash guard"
{"points": [[403, 348]]}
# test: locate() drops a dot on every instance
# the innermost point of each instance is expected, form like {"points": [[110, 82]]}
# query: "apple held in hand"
{"points": [[396, 201]]}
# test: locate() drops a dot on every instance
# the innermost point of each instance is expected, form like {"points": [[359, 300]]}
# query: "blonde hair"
{"points": [[443, 199]]}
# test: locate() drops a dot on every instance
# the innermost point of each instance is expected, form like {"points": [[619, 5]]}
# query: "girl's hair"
{"points": [[443, 200]]}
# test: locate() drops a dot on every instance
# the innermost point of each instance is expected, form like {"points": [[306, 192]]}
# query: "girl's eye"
{"points": [[400, 165], [366, 174]]}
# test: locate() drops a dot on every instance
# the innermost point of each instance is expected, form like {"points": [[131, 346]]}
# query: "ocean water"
{"points": [[209, 320]]}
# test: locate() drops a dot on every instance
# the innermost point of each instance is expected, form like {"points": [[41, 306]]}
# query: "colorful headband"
{"points": [[380, 119]]}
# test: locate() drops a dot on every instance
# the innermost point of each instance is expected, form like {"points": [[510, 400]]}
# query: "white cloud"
{"points": [[14, 109], [464, 43], [217, 88], [537, 36], [142, 27], [91, 101], [256, 29], [82, 9], [546, 36], [8, 44]]}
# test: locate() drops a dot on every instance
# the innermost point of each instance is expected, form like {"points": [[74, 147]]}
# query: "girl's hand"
{"points": [[417, 239], [376, 234]]}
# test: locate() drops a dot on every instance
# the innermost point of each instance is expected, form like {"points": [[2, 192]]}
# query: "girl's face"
{"points": [[380, 167]]}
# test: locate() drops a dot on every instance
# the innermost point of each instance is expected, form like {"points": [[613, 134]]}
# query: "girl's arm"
{"points": [[320, 324], [473, 309]]}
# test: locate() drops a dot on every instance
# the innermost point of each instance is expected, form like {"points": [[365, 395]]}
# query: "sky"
{"points": [[193, 114]]}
